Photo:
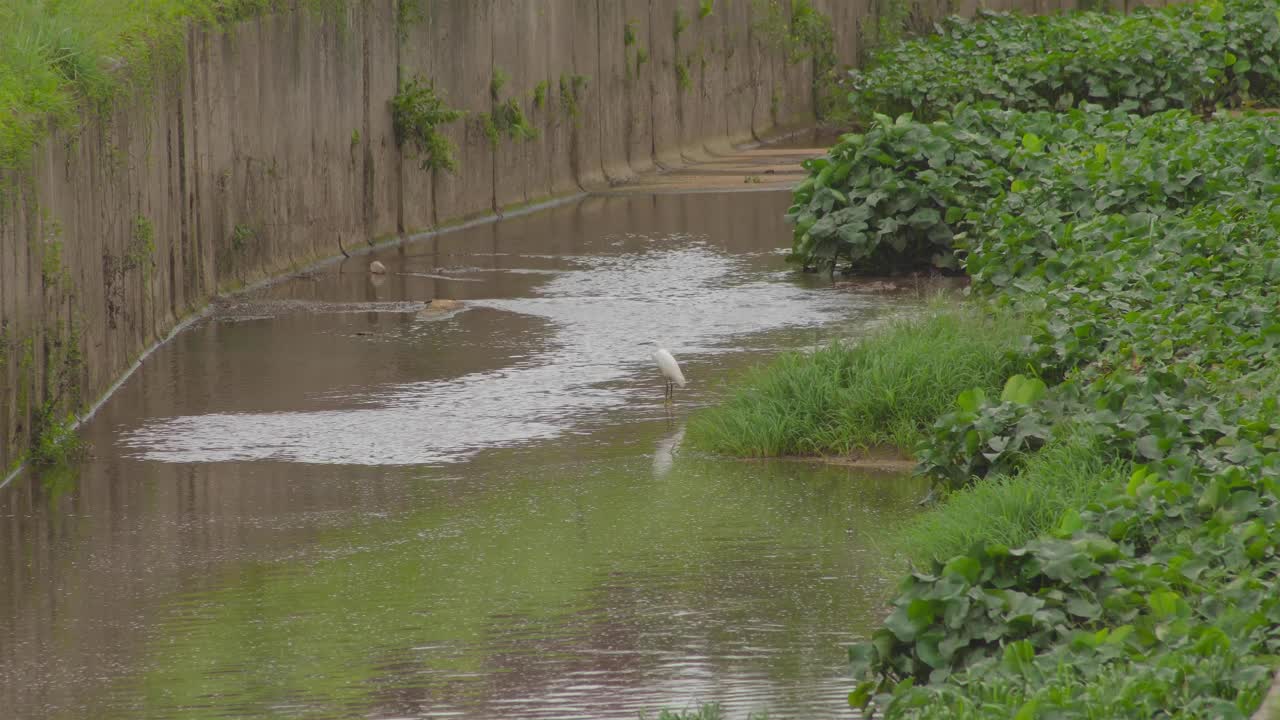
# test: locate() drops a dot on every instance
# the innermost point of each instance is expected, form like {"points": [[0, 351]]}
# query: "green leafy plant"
{"points": [[679, 25], [242, 236], [417, 112], [54, 439], [981, 437], [53, 273], [629, 33], [705, 8], [489, 126], [509, 118], [572, 88], [497, 82], [540, 94], [683, 80], [408, 14], [142, 244], [141, 251]]}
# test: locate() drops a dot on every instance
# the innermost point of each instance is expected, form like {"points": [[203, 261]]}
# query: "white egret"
{"points": [[669, 367]]}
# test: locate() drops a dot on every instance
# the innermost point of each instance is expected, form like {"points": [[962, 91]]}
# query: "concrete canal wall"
{"points": [[273, 142]]}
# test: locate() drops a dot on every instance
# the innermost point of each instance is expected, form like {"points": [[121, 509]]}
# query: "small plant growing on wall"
{"points": [[683, 80], [806, 33], [140, 254], [417, 112], [489, 127], [571, 89], [705, 7], [142, 244], [241, 237], [497, 82], [509, 118], [408, 14], [52, 271], [540, 94], [681, 24]]}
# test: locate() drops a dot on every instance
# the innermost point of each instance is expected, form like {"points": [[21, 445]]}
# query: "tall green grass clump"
{"points": [[1068, 474], [884, 390]]}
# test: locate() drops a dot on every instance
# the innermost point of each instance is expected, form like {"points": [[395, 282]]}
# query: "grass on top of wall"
{"points": [[883, 390], [59, 59]]}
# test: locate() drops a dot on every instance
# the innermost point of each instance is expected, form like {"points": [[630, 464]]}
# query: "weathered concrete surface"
{"points": [[273, 146]]}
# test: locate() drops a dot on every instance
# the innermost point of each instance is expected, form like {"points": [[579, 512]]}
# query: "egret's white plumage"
{"points": [[669, 367]]}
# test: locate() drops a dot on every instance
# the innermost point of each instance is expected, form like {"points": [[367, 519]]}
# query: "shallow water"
{"points": [[322, 501]]}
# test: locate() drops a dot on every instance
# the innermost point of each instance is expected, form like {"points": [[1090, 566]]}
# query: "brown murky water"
{"points": [[321, 502]]}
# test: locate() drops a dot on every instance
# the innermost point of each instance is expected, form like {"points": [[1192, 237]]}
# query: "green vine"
{"points": [[802, 34]]}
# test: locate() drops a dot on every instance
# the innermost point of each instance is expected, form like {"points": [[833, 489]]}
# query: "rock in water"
{"points": [[442, 304], [377, 268]]}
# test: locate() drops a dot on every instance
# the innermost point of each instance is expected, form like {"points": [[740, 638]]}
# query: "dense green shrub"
{"points": [[1195, 56], [905, 193]]}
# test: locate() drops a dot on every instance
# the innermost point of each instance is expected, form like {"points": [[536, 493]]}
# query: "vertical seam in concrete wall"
{"points": [[193, 203], [653, 78], [399, 153], [601, 85], [183, 239], [493, 105], [366, 132]]}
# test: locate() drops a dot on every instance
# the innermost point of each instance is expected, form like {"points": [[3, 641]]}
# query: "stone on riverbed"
{"points": [[441, 308]]}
